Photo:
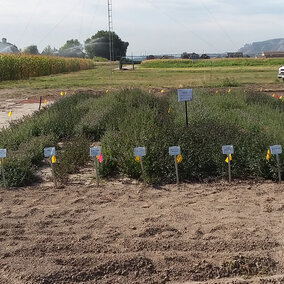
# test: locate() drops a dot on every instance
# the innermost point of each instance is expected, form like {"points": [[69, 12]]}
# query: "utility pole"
{"points": [[110, 29]]}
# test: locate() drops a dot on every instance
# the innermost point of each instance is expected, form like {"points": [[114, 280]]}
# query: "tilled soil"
{"points": [[124, 233]]}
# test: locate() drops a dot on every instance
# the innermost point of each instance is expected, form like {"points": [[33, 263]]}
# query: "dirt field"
{"points": [[124, 233]]}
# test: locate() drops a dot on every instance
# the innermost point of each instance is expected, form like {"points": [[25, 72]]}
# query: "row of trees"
{"points": [[95, 46]]}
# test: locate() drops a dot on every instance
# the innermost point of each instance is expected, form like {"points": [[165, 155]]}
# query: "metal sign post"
{"points": [[228, 150], [49, 153], [277, 150], [185, 95], [174, 151], [229, 168], [3, 155], [141, 152], [40, 99], [53, 173], [94, 152]]}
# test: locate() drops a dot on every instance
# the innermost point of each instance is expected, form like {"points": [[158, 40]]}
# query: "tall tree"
{"points": [[49, 51], [98, 45], [32, 49], [72, 48]]}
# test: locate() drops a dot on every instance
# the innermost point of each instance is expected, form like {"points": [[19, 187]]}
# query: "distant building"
{"points": [[270, 54], [6, 47], [235, 55]]}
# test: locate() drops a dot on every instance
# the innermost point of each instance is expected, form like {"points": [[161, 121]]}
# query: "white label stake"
{"points": [[94, 152], [49, 152], [174, 151], [185, 95], [141, 152], [277, 150], [228, 150], [3, 154]]}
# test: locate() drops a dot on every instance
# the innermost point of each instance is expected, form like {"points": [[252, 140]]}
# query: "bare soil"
{"points": [[124, 233]]}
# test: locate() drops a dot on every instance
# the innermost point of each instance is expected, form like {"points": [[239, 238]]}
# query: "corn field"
{"points": [[20, 66]]}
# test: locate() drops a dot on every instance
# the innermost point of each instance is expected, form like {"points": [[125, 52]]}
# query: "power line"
{"points": [[218, 24], [110, 30], [183, 25]]}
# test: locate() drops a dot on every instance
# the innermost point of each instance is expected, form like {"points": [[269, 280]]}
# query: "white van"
{"points": [[281, 72]]}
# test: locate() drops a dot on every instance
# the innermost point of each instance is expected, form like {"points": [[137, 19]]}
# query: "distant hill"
{"points": [[261, 46]]}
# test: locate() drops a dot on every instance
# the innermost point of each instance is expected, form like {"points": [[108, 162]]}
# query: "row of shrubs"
{"points": [[20, 66], [131, 118], [216, 62]]}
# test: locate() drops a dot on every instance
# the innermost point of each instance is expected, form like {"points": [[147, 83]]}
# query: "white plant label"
{"points": [[185, 95], [49, 152], [276, 149], [228, 149], [174, 150], [3, 153], [139, 151], [95, 151]]}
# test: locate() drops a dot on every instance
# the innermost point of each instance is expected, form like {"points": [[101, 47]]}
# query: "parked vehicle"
{"points": [[281, 73]]}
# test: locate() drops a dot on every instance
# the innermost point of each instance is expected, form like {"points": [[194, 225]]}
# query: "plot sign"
{"points": [[3, 153], [95, 151], [174, 150], [139, 151], [228, 149], [276, 149], [49, 152], [185, 95]]}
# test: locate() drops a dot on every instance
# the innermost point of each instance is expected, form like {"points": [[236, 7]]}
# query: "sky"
{"points": [[150, 27]]}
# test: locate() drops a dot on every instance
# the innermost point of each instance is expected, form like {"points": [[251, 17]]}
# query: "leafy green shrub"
{"points": [[74, 156], [26, 139], [100, 59], [214, 120], [132, 118], [18, 172]]}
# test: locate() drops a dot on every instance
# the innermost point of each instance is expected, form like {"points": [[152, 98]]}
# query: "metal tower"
{"points": [[110, 29]]}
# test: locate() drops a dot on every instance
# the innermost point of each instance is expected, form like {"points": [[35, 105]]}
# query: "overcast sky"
{"points": [[150, 27]]}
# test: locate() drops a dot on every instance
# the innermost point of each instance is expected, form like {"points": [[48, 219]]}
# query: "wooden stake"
{"points": [[3, 173], [142, 169], [278, 166], [176, 166], [39, 107], [186, 115], [53, 173], [97, 172], [229, 168]]}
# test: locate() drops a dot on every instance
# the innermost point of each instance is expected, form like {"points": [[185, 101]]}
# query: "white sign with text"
{"points": [[276, 149], [228, 149], [139, 151], [3, 153], [49, 152], [185, 95], [174, 150]]}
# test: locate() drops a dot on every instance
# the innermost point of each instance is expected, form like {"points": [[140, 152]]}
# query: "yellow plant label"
{"points": [[231, 158], [268, 155], [179, 158]]}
